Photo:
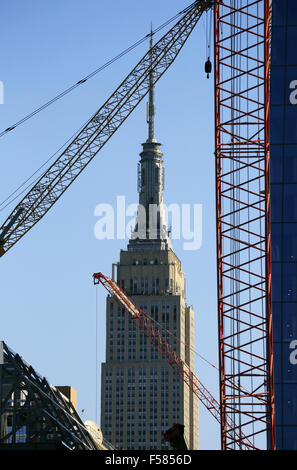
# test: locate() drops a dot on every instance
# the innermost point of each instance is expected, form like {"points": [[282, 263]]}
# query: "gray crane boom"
{"points": [[99, 129]]}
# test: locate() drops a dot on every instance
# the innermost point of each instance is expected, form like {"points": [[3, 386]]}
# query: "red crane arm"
{"points": [[144, 323]]}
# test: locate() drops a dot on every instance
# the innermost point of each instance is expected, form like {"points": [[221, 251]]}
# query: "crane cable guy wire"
{"points": [[92, 74]]}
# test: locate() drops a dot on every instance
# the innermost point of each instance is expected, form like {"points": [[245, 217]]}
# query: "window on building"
{"points": [[155, 286], [144, 286]]}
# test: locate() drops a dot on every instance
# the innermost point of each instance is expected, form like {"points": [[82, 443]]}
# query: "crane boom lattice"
{"points": [[145, 324], [99, 129]]}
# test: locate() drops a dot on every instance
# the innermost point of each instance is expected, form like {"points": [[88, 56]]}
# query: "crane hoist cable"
{"points": [[99, 129], [142, 321], [91, 75], [208, 65]]}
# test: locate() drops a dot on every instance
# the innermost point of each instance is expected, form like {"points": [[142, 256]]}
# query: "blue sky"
{"points": [[48, 302]]}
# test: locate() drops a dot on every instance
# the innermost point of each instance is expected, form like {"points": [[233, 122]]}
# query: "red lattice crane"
{"points": [[144, 323], [242, 159]]}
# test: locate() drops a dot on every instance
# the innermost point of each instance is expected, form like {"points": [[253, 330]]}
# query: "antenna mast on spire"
{"points": [[151, 104]]}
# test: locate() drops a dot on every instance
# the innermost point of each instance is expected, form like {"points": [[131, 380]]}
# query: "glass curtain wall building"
{"points": [[284, 216]]}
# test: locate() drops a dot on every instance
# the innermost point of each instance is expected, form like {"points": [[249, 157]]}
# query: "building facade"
{"points": [[141, 395], [284, 217]]}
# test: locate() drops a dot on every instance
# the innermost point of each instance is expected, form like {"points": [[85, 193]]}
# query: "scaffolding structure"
{"points": [[242, 65], [33, 412]]}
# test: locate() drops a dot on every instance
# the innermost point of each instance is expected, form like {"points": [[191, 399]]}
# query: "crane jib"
{"points": [[100, 128]]}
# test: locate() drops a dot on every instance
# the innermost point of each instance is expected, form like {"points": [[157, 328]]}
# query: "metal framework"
{"points": [[99, 129], [242, 158], [152, 331], [34, 412], [242, 65]]}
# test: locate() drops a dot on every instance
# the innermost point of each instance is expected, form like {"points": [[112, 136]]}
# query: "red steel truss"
{"points": [[242, 65]]}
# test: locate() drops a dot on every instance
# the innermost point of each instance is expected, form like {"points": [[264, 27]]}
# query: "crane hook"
{"points": [[208, 67]]}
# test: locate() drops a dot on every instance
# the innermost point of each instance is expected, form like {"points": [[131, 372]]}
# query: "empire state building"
{"points": [[141, 395]]}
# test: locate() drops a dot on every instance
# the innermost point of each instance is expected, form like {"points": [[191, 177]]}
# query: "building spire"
{"points": [[151, 103], [150, 231]]}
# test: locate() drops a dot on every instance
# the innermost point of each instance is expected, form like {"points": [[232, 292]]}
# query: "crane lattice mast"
{"points": [[242, 158]]}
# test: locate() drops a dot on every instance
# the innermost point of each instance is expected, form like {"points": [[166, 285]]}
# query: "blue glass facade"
{"points": [[284, 216]]}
